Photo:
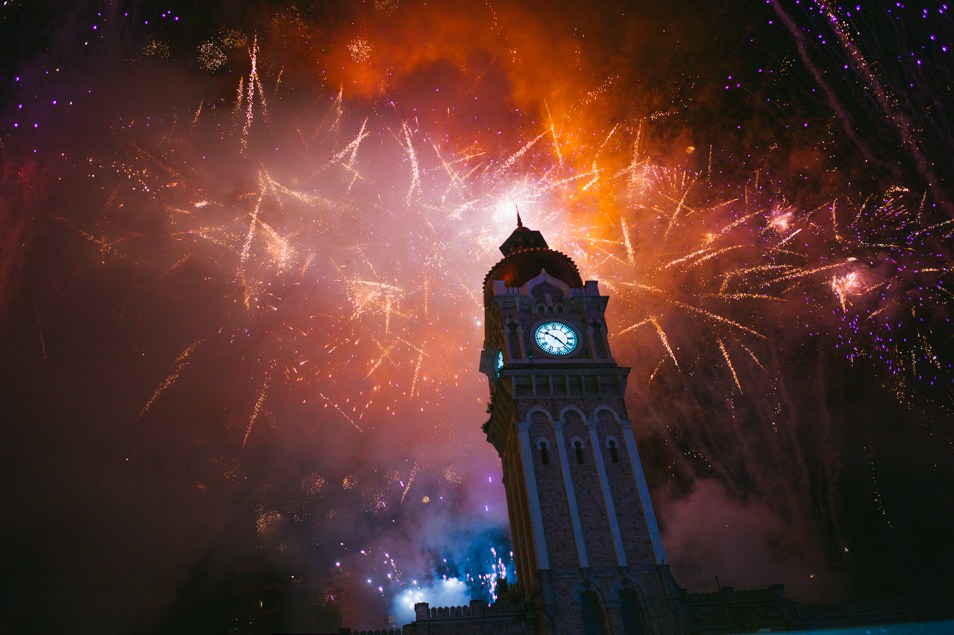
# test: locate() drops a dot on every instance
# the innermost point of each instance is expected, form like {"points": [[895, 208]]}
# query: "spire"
{"points": [[519, 222], [522, 238]]}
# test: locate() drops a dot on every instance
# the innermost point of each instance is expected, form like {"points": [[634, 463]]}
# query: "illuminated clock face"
{"points": [[556, 338], [499, 361]]}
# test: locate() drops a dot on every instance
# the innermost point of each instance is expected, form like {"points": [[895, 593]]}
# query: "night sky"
{"points": [[241, 255]]}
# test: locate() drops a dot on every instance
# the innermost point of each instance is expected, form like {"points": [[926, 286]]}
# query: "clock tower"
{"points": [[586, 542]]}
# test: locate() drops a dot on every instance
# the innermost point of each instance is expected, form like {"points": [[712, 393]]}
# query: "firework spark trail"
{"points": [[902, 123], [659, 331], [339, 108], [742, 273], [754, 357], [455, 180], [595, 94], [803, 273], [354, 145], [700, 256], [351, 152], [637, 174], [593, 182], [257, 409], [818, 75], [688, 307], [105, 246], [330, 402], [177, 264], [388, 311], [513, 158], [930, 229], [743, 296], [247, 292], [371, 295], [280, 248], [595, 170], [198, 111], [630, 251], [152, 157], [427, 297], [385, 354], [834, 222], [728, 362], [239, 98], [675, 213], [417, 373], [410, 481], [879, 499], [665, 340], [250, 91], [250, 234], [412, 159], [181, 361], [717, 318], [549, 185], [655, 372], [788, 238], [553, 133], [311, 199]]}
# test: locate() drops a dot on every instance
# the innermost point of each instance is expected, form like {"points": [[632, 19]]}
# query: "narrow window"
{"points": [[544, 453], [578, 446], [631, 613], [614, 451]]}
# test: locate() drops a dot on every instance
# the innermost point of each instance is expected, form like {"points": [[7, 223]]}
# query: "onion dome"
{"points": [[526, 253]]}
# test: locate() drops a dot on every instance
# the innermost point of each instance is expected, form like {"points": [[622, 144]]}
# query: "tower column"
{"points": [[592, 342], [571, 499], [526, 454], [607, 497], [643, 489], [508, 350]]}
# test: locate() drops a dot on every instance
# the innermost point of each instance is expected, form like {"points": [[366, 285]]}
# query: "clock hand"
{"points": [[561, 343]]}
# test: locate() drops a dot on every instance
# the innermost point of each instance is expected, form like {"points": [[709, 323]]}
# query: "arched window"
{"points": [[544, 453], [591, 613], [578, 447], [614, 450], [631, 613]]}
